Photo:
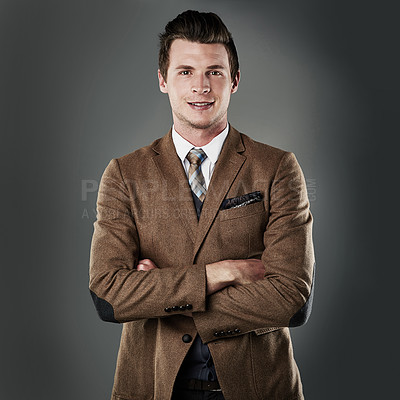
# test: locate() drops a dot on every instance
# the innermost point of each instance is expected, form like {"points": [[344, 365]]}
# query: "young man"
{"points": [[203, 247]]}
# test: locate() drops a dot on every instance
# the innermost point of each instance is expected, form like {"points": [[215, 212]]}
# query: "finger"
{"points": [[147, 262], [144, 267]]}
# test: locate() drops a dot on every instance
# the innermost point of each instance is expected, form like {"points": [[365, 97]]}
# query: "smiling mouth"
{"points": [[201, 105]]}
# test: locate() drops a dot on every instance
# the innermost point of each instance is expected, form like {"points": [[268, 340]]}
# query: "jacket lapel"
{"points": [[179, 199], [227, 168]]}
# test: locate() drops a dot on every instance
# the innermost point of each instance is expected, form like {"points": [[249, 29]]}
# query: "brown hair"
{"points": [[197, 27]]}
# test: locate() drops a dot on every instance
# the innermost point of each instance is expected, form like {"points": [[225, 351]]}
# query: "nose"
{"points": [[201, 85]]}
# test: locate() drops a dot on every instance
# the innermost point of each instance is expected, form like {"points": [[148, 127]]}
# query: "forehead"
{"points": [[183, 52]]}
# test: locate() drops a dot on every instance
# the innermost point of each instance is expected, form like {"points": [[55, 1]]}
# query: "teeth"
{"points": [[200, 104]]}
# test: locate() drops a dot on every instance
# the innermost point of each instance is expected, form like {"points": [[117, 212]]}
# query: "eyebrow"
{"points": [[184, 67], [216, 66]]}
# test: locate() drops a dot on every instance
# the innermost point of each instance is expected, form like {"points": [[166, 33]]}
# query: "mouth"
{"points": [[201, 105]]}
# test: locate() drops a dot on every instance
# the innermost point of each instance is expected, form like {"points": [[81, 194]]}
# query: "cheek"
{"points": [[224, 88], [225, 95], [178, 92], [173, 96]]}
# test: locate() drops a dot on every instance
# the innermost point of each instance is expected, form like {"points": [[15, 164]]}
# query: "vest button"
{"points": [[186, 338]]}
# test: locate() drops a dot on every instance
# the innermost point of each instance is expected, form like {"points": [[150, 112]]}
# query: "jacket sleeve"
{"points": [[283, 298], [120, 292]]}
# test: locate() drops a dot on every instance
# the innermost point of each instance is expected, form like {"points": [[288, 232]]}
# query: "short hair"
{"points": [[199, 27]]}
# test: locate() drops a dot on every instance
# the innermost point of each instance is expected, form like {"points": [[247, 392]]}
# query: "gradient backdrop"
{"points": [[78, 87]]}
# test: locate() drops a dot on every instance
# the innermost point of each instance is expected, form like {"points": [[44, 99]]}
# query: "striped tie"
{"points": [[196, 178]]}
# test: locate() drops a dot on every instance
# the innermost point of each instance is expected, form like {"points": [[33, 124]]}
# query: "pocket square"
{"points": [[241, 201]]}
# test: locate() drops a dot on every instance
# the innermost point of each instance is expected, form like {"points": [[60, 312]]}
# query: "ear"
{"points": [[162, 83], [235, 83]]}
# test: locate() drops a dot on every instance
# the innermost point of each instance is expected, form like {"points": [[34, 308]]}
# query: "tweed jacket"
{"points": [[145, 210]]}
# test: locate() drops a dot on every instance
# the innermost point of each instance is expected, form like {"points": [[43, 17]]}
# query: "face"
{"points": [[199, 85]]}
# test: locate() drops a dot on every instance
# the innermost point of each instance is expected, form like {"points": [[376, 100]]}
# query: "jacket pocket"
{"points": [[275, 372], [238, 232], [240, 212]]}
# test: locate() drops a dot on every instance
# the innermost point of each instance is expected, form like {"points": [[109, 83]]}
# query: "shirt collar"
{"points": [[212, 149]]}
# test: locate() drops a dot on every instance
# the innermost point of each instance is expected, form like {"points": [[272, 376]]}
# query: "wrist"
{"points": [[219, 275]]}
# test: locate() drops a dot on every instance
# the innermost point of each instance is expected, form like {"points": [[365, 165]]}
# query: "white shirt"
{"points": [[212, 150]]}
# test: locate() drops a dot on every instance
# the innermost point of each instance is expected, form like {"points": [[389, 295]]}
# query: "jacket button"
{"points": [[222, 333], [189, 306], [237, 330], [167, 309], [182, 308], [175, 308], [216, 334], [186, 338], [229, 332]]}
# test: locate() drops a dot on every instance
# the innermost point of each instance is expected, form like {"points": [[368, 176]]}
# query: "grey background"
{"points": [[78, 87]]}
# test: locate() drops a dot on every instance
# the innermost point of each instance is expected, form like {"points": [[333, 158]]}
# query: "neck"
{"points": [[200, 137]]}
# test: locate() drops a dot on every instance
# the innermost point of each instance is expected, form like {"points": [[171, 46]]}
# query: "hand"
{"points": [[146, 265], [233, 272]]}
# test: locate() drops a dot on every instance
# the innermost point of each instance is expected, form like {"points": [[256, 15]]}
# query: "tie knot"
{"points": [[196, 156]]}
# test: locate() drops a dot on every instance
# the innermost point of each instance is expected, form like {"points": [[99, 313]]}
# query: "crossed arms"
{"points": [[248, 293], [223, 273]]}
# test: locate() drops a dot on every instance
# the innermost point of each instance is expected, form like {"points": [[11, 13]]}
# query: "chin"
{"points": [[198, 123], [203, 124]]}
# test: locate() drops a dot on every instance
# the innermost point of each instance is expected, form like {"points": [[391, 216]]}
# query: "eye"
{"points": [[215, 73], [184, 72]]}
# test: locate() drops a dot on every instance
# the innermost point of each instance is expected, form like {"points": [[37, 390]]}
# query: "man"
{"points": [[202, 247]]}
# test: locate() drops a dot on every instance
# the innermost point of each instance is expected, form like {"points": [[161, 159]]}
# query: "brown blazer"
{"points": [[145, 210]]}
